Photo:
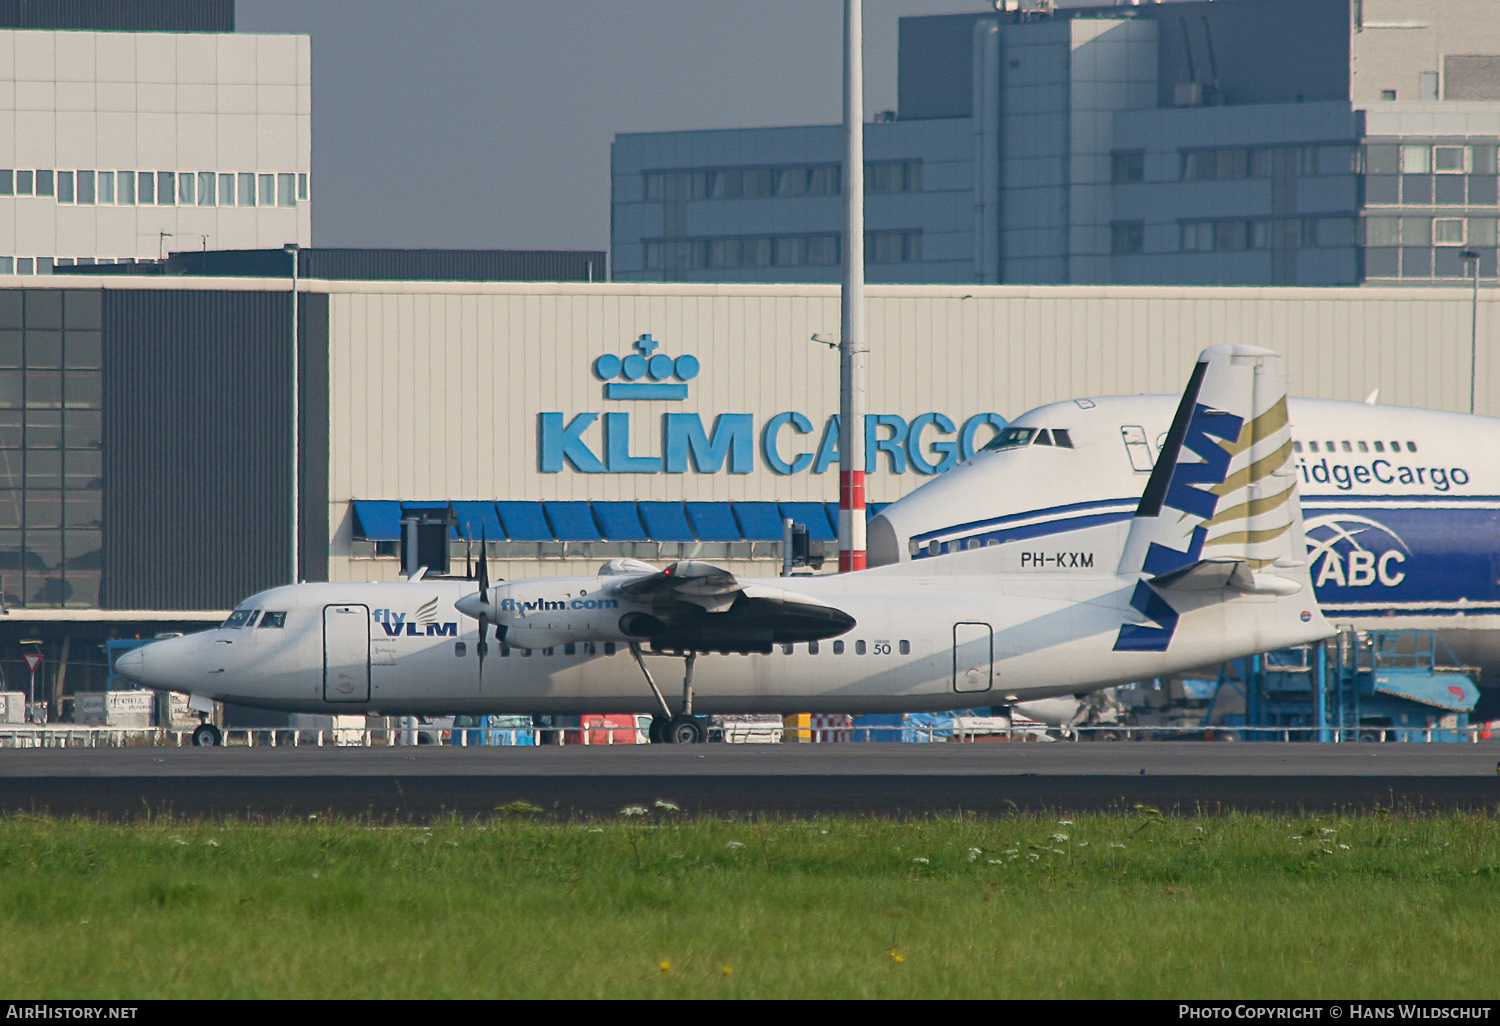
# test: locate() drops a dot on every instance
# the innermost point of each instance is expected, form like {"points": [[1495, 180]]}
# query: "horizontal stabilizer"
{"points": [[1223, 574]]}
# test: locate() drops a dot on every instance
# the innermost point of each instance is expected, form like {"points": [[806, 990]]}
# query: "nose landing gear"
{"points": [[206, 735]]}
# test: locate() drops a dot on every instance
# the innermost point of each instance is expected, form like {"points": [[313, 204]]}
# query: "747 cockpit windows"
{"points": [[248, 618], [1016, 437], [1353, 446]]}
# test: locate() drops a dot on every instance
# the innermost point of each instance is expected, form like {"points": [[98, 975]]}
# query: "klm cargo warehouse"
{"points": [[146, 420]]}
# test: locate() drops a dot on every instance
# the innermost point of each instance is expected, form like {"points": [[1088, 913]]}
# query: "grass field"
{"points": [[1130, 905]]}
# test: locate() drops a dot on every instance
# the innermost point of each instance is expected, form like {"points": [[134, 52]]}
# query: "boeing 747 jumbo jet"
{"points": [[1211, 565], [1402, 505]]}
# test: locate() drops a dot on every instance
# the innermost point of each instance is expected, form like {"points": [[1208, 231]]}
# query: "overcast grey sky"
{"points": [[487, 123]]}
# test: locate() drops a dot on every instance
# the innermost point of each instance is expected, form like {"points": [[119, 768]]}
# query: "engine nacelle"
{"points": [[544, 613]]}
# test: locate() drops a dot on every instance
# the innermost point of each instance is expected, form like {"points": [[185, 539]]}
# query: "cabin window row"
{"points": [[609, 648], [1355, 446]]}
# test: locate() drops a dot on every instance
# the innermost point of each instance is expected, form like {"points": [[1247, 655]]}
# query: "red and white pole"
{"points": [[852, 348]]}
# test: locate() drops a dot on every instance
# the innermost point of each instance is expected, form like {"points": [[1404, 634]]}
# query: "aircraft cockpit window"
{"points": [[1061, 438], [1411, 446], [1011, 438], [239, 618], [1331, 447], [1380, 447], [1363, 446], [1312, 446], [1296, 447], [1347, 446], [273, 620], [1395, 447], [253, 617], [1043, 437]]}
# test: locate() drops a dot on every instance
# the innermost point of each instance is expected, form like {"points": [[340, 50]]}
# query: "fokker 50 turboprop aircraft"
{"points": [[1211, 566]]}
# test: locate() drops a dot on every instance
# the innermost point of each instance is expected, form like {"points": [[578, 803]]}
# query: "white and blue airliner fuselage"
{"points": [[1401, 505]]}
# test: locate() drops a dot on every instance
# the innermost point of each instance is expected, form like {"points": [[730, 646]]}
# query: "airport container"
{"points": [[114, 708], [749, 730], [12, 707], [816, 727], [608, 729]]}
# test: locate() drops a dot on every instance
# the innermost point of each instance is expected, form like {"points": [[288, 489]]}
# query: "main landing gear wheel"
{"points": [[207, 736], [687, 730], [658, 731]]}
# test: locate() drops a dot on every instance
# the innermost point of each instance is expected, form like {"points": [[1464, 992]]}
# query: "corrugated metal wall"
{"points": [[196, 437], [436, 390], [119, 15]]}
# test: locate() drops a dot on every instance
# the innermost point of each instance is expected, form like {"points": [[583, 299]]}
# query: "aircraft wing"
{"points": [[730, 613], [689, 580]]}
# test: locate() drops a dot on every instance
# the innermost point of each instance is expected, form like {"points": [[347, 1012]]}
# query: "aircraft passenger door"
{"points": [[346, 653], [973, 656]]}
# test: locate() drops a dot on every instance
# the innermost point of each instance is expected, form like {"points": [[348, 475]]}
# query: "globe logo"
{"points": [[647, 374]]}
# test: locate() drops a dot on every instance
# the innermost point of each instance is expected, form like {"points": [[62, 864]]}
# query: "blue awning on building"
{"points": [[714, 522], [571, 521], [377, 519], [524, 521], [478, 521], [380, 520], [666, 521], [619, 521], [760, 521], [812, 514]]}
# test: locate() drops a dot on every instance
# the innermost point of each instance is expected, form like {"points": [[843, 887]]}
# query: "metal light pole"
{"points": [[293, 249], [1471, 258], [852, 347]]}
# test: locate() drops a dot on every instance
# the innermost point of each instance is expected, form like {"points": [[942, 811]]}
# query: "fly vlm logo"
{"points": [[646, 373], [1351, 551], [1181, 493], [423, 625]]}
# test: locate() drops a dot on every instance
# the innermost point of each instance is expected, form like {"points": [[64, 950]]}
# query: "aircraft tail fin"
{"points": [[1224, 488]]}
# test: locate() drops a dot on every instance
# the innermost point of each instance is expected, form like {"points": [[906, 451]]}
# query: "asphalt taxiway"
{"points": [[798, 780]]}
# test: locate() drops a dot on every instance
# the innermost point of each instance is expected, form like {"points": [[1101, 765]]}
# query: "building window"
{"points": [[226, 190], [302, 185], [247, 189], [1450, 160], [893, 177], [106, 181], [893, 247], [145, 187], [286, 186], [65, 187], [1128, 166], [126, 182], [787, 252], [1127, 237], [25, 183], [207, 193], [1387, 94], [44, 183], [187, 188], [1448, 231], [166, 188], [267, 191], [50, 487]]}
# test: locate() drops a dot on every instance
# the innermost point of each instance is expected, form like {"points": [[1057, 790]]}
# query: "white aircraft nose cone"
{"points": [[132, 665]]}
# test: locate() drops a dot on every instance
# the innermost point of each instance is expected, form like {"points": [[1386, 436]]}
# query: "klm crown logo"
{"points": [[646, 373]]}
